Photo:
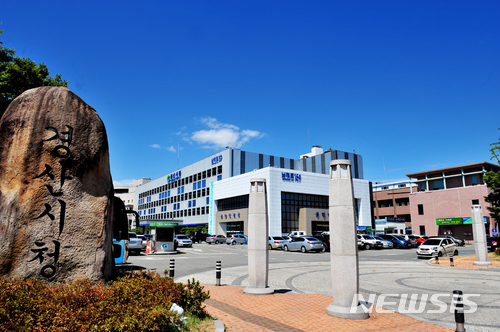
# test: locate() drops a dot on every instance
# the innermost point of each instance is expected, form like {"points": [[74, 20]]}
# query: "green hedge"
{"points": [[135, 302]]}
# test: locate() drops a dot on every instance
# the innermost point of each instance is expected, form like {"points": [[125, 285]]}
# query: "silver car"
{"points": [[216, 239], [276, 242], [236, 238], [134, 244], [304, 244], [183, 240], [385, 243]]}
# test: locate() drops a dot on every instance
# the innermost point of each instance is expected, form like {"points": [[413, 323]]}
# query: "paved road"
{"points": [[390, 272]]}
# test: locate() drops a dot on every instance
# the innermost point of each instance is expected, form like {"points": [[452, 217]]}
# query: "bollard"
{"points": [[451, 259], [436, 257], [217, 273], [459, 311], [172, 268]]}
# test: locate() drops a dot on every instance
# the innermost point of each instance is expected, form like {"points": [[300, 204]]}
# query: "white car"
{"points": [[437, 245], [236, 238], [183, 240], [134, 244], [369, 242], [276, 242]]}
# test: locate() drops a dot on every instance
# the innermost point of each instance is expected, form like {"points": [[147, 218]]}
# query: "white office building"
{"points": [[215, 191]]}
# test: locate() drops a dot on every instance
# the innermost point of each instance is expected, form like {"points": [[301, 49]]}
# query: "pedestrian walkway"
{"points": [[467, 261], [286, 312]]}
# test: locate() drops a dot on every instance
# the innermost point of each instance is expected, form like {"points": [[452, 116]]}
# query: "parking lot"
{"points": [[388, 272]]}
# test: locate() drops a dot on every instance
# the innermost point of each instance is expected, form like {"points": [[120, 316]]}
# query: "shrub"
{"points": [[136, 302]]}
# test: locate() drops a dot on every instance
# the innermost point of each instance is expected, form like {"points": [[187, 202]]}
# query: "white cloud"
{"points": [[222, 135], [155, 146], [171, 149], [123, 183]]}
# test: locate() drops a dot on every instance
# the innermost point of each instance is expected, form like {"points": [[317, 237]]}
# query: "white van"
{"points": [[297, 233]]}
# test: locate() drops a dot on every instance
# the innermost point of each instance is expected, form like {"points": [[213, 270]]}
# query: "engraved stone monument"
{"points": [[479, 234], [258, 239], [56, 190], [343, 244]]}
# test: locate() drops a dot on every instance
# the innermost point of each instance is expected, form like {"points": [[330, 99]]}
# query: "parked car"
{"points": [[216, 239], [237, 238], [440, 245], [303, 244], [386, 244], [370, 242], [492, 243], [297, 233], [199, 237], [325, 240], [456, 240], [421, 239], [134, 244], [411, 238], [144, 242], [183, 240], [397, 241], [276, 242]]}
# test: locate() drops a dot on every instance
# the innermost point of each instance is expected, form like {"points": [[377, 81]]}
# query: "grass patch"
{"points": [[196, 323]]}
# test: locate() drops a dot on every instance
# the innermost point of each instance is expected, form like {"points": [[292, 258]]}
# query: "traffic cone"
{"points": [[148, 248]]}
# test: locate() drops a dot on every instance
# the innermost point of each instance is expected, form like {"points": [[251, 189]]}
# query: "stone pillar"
{"points": [[479, 234], [258, 239], [343, 244]]}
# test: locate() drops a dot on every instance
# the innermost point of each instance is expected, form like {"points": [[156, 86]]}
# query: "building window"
{"points": [[422, 186], [473, 180], [422, 230], [475, 202], [219, 177], [420, 209], [437, 185]]}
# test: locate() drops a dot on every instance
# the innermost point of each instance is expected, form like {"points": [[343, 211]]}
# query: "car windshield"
{"points": [[432, 242], [130, 235], [398, 237], [368, 237], [277, 238], [182, 237], [312, 239], [379, 238]]}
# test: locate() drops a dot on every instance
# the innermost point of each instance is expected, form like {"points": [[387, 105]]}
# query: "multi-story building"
{"points": [[127, 195], [441, 200], [198, 193], [391, 206]]}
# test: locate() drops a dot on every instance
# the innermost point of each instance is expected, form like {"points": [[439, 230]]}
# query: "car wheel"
{"points": [[440, 254], [285, 248], [303, 249], [367, 246], [216, 242], [455, 253], [323, 249], [270, 247], [398, 246], [233, 243]]}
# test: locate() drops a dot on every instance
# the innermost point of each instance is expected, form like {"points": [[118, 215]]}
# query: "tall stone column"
{"points": [[479, 234], [343, 244], [258, 239]]}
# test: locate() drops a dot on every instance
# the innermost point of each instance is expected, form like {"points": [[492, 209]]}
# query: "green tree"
{"points": [[492, 180], [20, 74]]}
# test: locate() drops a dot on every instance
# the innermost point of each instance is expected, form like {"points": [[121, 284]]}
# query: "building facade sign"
{"points": [[163, 224], [216, 160], [457, 221], [174, 176], [291, 177]]}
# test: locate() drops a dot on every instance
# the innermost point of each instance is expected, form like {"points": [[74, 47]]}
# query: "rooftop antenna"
{"points": [[308, 140], [383, 163], [178, 153]]}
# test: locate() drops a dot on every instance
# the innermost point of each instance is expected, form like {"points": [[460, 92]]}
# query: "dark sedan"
{"points": [[492, 243]]}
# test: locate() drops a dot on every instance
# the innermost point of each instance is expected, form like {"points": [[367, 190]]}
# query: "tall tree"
{"points": [[492, 180], [20, 74]]}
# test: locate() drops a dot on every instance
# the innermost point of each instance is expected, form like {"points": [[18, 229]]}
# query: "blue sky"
{"points": [[409, 85]]}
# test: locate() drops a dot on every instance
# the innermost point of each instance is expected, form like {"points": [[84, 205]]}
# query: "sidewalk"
{"points": [[467, 261], [284, 312]]}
